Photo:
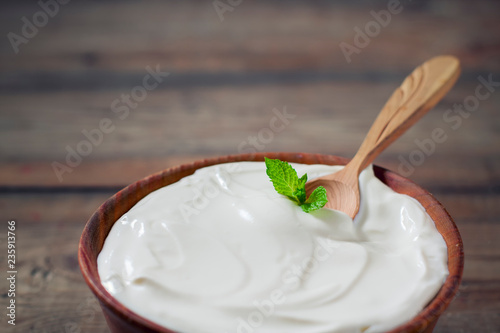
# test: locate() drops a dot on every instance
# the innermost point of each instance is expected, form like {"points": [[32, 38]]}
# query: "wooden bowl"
{"points": [[122, 320]]}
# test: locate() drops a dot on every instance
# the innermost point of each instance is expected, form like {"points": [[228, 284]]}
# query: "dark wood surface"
{"points": [[226, 78]]}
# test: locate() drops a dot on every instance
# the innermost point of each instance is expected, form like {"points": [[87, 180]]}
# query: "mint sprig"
{"points": [[286, 182]]}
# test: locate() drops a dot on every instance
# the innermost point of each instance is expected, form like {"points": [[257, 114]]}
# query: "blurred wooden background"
{"points": [[228, 76]]}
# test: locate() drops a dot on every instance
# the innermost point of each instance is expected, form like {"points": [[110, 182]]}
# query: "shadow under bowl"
{"points": [[120, 319]]}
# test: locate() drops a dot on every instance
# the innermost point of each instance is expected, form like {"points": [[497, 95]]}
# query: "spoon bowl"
{"points": [[340, 193]]}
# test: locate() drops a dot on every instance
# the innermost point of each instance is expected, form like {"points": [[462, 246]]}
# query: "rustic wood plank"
{"points": [[328, 118], [298, 34], [51, 295], [475, 309], [178, 115], [16, 82]]}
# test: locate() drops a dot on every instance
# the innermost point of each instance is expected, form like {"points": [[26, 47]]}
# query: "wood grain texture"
{"points": [[288, 35], [226, 78]]}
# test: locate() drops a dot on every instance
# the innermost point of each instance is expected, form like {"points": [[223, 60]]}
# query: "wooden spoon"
{"points": [[418, 93]]}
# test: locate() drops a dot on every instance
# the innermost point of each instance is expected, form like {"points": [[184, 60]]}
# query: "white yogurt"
{"points": [[221, 251]]}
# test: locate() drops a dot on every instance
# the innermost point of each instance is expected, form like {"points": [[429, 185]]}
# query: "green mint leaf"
{"points": [[316, 200], [283, 177], [300, 193], [286, 182]]}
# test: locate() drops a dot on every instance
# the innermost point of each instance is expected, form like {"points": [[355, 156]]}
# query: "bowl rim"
{"points": [[89, 249]]}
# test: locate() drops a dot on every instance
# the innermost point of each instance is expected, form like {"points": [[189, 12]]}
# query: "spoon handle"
{"points": [[418, 93]]}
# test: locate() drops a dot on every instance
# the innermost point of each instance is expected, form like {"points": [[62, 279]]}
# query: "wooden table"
{"points": [[229, 75]]}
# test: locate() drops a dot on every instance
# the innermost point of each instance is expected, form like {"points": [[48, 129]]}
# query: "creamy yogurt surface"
{"points": [[221, 251]]}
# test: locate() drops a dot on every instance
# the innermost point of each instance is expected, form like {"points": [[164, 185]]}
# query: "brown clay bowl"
{"points": [[122, 320]]}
